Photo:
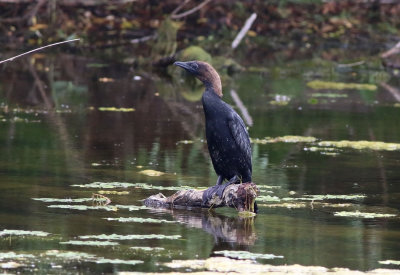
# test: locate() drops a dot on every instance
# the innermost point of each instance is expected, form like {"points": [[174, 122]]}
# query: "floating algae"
{"points": [[151, 173], [111, 185], [268, 198], [245, 255], [131, 207], [82, 207], [68, 200], [147, 248], [139, 220], [286, 139], [327, 197], [14, 256], [319, 85], [363, 144], [364, 215], [286, 205], [394, 262], [130, 237], [90, 243], [113, 192], [7, 232], [114, 109], [105, 185], [329, 95], [82, 256]]}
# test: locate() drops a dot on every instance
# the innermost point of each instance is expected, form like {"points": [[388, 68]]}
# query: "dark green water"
{"points": [[43, 153]]}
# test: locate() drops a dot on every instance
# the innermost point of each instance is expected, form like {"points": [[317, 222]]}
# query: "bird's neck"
{"points": [[214, 85]]}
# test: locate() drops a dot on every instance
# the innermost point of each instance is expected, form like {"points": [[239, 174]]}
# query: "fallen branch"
{"points": [[38, 49], [239, 196], [392, 51], [186, 13], [244, 30]]}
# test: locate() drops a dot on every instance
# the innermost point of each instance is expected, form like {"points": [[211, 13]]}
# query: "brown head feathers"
{"points": [[205, 72]]}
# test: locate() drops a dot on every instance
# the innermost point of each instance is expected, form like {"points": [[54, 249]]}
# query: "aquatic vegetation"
{"points": [[147, 248], [90, 243], [82, 207], [7, 232], [13, 255], [131, 207], [329, 95], [69, 255], [185, 142], [318, 84], [10, 265], [286, 139], [246, 214], [328, 197], [105, 185], [78, 200], [151, 173], [82, 256], [363, 144], [394, 262], [131, 237], [113, 192], [286, 205], [364, 215], [268, 198], [139, 220], [117, 261], [114, 109], [246, 255]]}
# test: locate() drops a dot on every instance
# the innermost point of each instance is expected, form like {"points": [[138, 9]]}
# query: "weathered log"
{"points": [[239, 196]]}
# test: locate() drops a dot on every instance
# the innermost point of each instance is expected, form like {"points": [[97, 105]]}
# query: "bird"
{"points": [[228, 141]]}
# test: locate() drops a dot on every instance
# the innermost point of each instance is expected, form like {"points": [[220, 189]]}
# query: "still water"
{"points": [[55, 138]]}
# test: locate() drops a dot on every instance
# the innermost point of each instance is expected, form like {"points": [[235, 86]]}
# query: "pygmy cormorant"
{"points": [[227, 138]]}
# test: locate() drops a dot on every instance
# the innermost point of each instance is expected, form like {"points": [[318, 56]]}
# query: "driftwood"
{"points": [[239, 196]]}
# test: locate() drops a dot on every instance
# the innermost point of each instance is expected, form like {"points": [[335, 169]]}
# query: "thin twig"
{"points": [[186, 13], [392, 51], [242, 108], [38, 49], [243, 31], [178, 8]]}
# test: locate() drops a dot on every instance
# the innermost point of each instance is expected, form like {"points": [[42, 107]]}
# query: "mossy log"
{"points": [[239, 196]]}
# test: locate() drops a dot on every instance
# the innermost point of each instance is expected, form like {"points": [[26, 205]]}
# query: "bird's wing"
{"points": [[240, 136]]}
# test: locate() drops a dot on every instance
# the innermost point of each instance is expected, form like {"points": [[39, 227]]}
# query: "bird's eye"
{"points": [[195, 66]]}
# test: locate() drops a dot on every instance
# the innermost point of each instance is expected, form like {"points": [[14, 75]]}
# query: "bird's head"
{"points": [[204, 72]]}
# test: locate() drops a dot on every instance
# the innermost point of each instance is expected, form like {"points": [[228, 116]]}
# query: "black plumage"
{"points": [[227, 138]]}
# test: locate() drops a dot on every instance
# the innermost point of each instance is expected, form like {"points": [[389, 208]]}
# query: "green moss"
{"points": [[318, 84]]}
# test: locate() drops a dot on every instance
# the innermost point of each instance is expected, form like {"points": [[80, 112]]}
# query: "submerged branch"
{"points": [[239, 196], [246, 116], [38, 49]]}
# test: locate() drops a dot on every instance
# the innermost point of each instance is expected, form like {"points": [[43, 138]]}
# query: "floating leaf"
{"points": [[373, 145], [267, 198], [139, 220], [90, 243], [364, 215], [130, 237], [106, 185], [7, 232], [327, 197], [246, 255], [69, 255], [318, 84], [286, 205], [131, 207], [151, 173], [114, 109]]}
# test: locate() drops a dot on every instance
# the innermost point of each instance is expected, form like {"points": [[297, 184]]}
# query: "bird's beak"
{"points": [[188, 66]]}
